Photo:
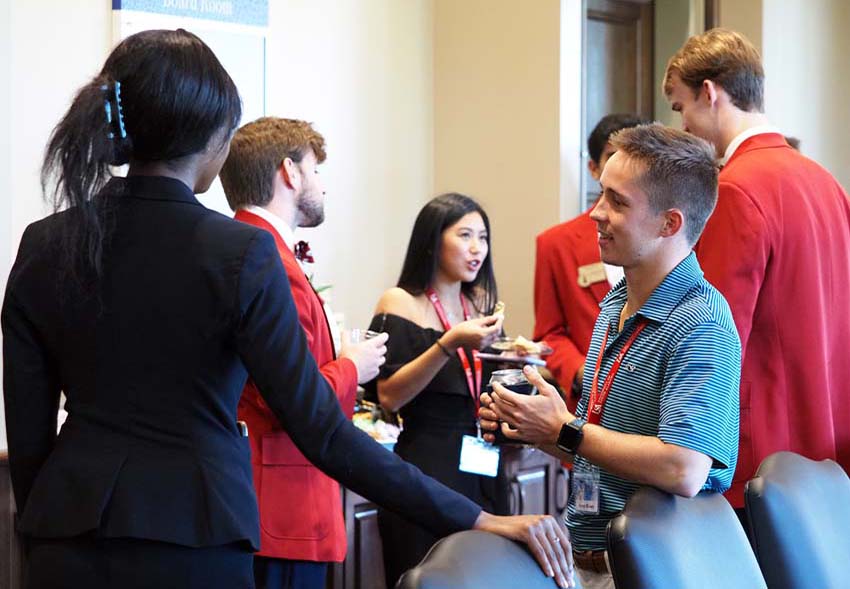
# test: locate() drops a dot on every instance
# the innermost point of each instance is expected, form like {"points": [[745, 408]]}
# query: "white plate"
{"points": [[534, 360], [508, 344]]}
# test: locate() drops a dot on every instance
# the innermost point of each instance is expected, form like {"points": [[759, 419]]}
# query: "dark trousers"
{"points": [[128, 563], [278, 573]]}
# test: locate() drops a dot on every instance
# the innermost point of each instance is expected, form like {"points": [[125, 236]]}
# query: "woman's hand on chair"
{"points": [[547, 539]]}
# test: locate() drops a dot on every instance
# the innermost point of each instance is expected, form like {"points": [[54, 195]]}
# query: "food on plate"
{"points": [[377, 429], [521, 346], [526, 346]]}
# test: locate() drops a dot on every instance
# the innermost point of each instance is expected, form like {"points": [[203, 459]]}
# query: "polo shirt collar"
{"points": [[664, 298]]}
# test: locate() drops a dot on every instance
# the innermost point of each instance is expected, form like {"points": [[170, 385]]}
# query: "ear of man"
{"points": [[595, 171], [711, 91], [291, 174], [674, 223]]}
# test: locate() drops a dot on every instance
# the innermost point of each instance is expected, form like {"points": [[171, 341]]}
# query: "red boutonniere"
{"points": [[302, 252]]}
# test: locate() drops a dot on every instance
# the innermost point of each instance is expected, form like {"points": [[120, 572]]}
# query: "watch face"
{"points": [[570, 437]]}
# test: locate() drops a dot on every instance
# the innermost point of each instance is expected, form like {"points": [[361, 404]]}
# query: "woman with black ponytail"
{"points": [[149, 311]]}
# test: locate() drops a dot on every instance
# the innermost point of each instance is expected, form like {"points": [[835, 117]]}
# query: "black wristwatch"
{"points": [[571, 436]]}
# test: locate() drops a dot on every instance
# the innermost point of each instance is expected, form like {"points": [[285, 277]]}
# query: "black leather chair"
{"points": [[665, 541], [799, 513], [476, 560]]}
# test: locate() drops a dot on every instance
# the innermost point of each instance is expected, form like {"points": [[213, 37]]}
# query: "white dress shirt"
{"points": [[743, 136]]}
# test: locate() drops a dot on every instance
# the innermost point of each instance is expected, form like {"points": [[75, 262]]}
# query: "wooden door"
{"points": [[618, 56]]}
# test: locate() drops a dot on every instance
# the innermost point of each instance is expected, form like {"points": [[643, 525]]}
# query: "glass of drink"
{"points": [[514, 380], [357, 335]]}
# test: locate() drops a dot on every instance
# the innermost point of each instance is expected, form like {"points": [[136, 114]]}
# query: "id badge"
{"points": [[591, 274], [479, 457], [586, 489]]}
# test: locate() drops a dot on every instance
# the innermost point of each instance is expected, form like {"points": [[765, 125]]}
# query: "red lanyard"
{"points": [[474, 388], [594, 405]]}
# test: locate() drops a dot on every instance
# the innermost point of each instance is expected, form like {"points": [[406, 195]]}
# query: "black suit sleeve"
{"points": [[30, 384], [273, 347]]}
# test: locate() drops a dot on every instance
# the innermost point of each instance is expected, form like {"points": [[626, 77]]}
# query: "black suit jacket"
{"points": [[190, 303]]}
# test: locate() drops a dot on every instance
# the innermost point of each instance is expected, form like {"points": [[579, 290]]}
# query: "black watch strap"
{"points": [[571, 435]]}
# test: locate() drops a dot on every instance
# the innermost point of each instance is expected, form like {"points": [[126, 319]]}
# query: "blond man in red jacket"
{"points": [[271, 180], [777, 248]]}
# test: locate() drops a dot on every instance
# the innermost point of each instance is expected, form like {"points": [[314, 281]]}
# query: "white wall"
{"points": [[804, 46], [805, 49], [363, 73], [44, 78]]}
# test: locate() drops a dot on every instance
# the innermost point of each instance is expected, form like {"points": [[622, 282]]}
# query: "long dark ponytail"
{"points": [[76, 166], [161, 96]]}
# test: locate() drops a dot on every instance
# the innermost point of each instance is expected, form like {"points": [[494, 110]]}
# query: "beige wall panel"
{"points": [[496, 127], [744, 16]]}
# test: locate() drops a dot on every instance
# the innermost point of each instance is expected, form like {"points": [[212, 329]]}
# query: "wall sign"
{"points": [[244, 12]]}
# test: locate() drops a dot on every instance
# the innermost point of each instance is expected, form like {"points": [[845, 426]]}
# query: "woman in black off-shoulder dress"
{"points": [[441, 304]]}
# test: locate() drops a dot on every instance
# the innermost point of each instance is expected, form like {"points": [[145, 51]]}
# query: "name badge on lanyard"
{"points": [[591, 274], [586, 477], [479, 457], [476, 455], [586, 489]]}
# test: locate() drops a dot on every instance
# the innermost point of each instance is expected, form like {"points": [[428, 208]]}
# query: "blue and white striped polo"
{"points": [[678, 382]]}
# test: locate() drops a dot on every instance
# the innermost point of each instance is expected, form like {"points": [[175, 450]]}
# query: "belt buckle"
{"points": [[591, 560]]}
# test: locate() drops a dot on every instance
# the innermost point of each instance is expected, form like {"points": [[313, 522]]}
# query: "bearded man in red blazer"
{"points": [[271, 181], [777, 247], [570, 279]]}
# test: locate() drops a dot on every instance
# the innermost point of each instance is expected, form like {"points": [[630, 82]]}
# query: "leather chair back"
{"points": [[476, 560], [799, 513], [662, 540]]}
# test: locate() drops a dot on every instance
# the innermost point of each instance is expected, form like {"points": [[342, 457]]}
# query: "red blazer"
{"points": [[564, 311], [300, 510], [778, 247]]}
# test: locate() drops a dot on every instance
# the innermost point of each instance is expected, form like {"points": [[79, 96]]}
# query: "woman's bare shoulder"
{"points": [[397, 301]]}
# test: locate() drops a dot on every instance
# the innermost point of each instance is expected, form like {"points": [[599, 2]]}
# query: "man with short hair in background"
{"points": [[271, 180], [777, 248], [570, 279], [659, 404]]}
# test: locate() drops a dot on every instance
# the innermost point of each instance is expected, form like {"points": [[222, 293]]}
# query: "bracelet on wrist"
{"points": [[443, 349]]}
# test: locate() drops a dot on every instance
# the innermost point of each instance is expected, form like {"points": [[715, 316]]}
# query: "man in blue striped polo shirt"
{"points": [[660, 402]]}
